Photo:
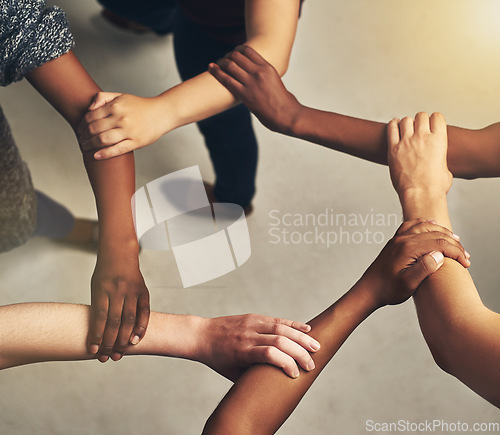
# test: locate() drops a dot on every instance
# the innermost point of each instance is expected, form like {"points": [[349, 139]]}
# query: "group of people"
{"points": [[424, 260]]}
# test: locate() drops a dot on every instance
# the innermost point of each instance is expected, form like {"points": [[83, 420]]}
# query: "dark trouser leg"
{"points": [[155, 14], [229, 136]]}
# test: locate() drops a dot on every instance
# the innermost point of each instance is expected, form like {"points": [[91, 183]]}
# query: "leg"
{"points": [[17, 196], [151, 14], [229, 136]]}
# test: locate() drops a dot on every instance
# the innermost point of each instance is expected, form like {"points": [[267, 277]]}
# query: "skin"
{"points": [[38, 332], [120, 298], [262, 399], [122, 122], [460, 331], [252, 80]]}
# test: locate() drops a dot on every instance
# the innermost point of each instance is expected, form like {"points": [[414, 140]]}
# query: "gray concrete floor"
{"points": [[373, 60]]}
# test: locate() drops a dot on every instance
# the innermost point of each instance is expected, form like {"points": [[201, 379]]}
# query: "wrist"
{"points": [[424, 203], [293, 125], [198, 345], [368, 292]]}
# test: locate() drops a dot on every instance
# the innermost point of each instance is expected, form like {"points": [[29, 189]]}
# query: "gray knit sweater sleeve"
{"points": [[30, 35]]}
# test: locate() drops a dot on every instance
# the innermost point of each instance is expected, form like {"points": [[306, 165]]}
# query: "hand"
{"points": [[417, 154], [254, 81], [230, 344], [416, 251], [120, 307], [120, 123]]}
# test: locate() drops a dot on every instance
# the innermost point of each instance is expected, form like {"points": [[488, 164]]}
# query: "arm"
{"points": [[32, 333], [461, 332], [251, 79], [262, 399], [118, 289], [132, 122]]}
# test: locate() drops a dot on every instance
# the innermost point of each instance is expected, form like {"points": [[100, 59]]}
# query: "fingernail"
{"points": [[315, 345], [98, 156], [432, 221], [93, 349], [311, 365], [211, 65], [438, 257], [296, 373], [455, 236], [307, 328], [467, 255], [115, 356], [135, 339], [103, 358]]}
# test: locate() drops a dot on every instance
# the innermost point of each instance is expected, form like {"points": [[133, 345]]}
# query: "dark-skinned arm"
{"points": [[251, 79], [120, 299]]}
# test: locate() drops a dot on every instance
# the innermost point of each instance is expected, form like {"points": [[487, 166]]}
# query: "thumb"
{"points": [[423, 267], [102, 98]]}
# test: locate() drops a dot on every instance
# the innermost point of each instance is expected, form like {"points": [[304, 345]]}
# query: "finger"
{"points": [[102, 98], [127, 325], [94, 115], [244, 62], [231, 84], [424, 266], [426, 226], [233, 69], [272, 355], [123, 147], [422, 123], [405, 226], [438, 123], [251, 54], [304, 327], [393, 133], [112, 327], [406, 127], [276, 329], [289, 348], [141, 324], [105, 139], [95, 128], [435, 241], [98, 318]]}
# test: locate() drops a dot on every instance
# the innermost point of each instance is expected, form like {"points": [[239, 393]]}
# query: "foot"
{"points": [[84, 235], [209, 188], [124, 24]]}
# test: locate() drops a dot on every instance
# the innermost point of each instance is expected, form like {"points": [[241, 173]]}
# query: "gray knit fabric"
{"points": [[30, 35], [17, 196]]}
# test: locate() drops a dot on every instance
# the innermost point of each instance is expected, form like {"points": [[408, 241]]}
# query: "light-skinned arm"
{"points": [[39, 332], [123, 122], [460, 331], [262, 399], [251, 79]]}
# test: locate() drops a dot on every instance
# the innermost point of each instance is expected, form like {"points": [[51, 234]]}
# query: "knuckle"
{"points": [[114, 321], [101, 314], [129, 318]]}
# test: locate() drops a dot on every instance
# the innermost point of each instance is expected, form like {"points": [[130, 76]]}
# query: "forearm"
{"points": [[426, 205], [263, 398], [462, 334], [271, 26], [471, 153], [66, 85], [37, 332]]}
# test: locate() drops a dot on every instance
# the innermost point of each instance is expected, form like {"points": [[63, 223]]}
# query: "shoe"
{"points": [[209, 188], [127, 25], [84, 235]]}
